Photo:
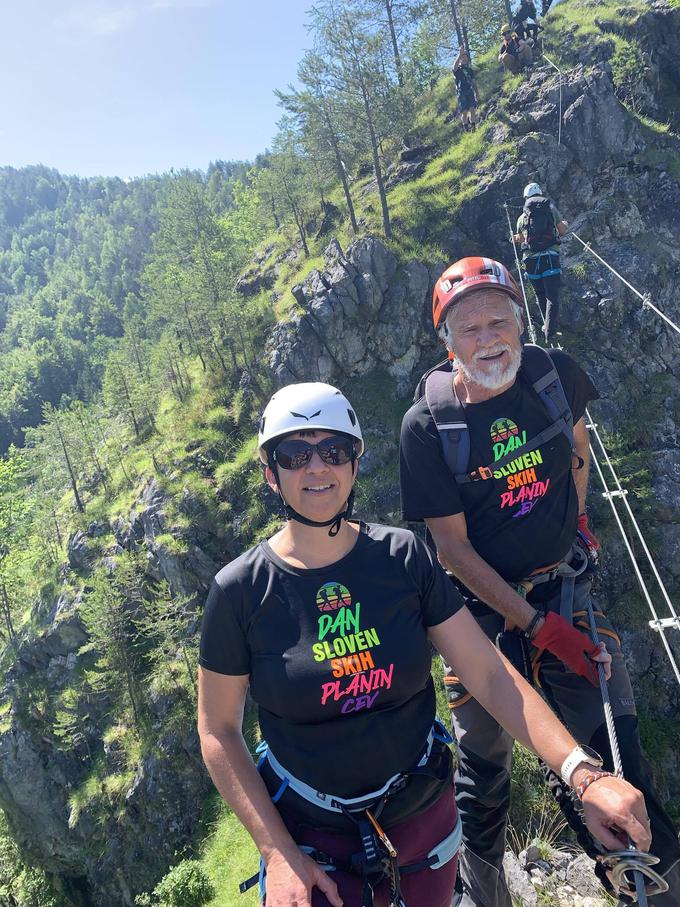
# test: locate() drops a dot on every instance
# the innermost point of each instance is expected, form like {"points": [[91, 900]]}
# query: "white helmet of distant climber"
{"points": [[532, 189], [311, 405]]}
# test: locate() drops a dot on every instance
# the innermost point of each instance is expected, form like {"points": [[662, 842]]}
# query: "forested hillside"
{"points": [[144, 323]]}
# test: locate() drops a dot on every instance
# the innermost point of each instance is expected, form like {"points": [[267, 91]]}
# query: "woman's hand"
{"points": [[290, 880], [614, 811]]}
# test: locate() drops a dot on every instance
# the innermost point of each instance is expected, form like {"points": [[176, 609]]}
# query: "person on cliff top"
{"points": [[494, 458], [525, 21], [515, 54], [539, 228], [466, 89], [330, 624]]}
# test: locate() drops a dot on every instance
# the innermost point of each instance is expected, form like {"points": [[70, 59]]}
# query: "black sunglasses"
{"points": [[294, 453]]}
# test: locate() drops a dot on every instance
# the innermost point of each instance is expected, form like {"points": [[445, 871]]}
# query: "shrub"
{"points": [[186, 885]]}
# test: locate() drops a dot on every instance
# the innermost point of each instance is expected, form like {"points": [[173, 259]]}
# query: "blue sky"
{"points": [[128, 87]]}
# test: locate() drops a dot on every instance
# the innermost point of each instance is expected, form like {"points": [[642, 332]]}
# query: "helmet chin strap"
{"points": [[334, 522]]}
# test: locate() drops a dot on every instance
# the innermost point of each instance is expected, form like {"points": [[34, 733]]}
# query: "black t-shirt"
{"points": [[464, 78], [510, 47], [338, 656], [525, 517]]}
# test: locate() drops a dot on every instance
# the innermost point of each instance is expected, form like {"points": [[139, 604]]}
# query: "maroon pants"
{"points": [[413, 839]]}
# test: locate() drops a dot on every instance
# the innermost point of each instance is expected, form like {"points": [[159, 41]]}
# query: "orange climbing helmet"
{"points": [[466, 276]]}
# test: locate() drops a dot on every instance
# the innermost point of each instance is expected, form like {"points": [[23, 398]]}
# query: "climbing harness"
{"points": [[549, 271], [645, 297], [377, 859], [646, 882]]}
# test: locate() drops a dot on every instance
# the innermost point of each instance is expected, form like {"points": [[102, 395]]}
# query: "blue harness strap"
{"points": [[341, 804], [550, 270]]}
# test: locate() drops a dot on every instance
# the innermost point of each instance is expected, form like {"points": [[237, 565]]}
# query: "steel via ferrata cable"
{"points": [[645, 297]]}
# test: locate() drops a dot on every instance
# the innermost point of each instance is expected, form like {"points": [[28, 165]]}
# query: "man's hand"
{"points": [[572, 647], [584, 531], [290, 881], [613, 811]]}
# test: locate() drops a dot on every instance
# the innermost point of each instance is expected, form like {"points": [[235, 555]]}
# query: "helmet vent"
{"points": [[352, 417]]}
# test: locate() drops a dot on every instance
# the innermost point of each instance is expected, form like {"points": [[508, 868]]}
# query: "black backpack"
{"points": [[449, 414], [464, 78], [540, 224]]}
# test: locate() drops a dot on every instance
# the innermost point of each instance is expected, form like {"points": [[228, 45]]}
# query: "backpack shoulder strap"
{"points": [[443, 366], [449, 417], [541, 373]]}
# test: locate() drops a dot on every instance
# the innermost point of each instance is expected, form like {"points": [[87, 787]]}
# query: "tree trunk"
{"points": [[340, 169], [192, 335], [89, 443], [465, 35], [395, 45], [277, 222], [126, 394], [69, 466], [387, 229], [508, 10], [456, 23], [6, 608], [56, 527], [299, 220]]}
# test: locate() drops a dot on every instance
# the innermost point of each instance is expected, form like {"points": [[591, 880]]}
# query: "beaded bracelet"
{"points": [[589, 779]]}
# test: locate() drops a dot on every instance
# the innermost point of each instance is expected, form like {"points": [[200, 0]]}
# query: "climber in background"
{"points": [[539, 228], [525, 21], [466, 89], [515, 54]]}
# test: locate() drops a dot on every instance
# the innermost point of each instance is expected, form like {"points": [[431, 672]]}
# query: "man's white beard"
{"points": [[493, 374]]}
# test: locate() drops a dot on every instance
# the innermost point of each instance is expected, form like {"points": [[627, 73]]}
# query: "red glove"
{"points": [[591, 540], [568, 644]]}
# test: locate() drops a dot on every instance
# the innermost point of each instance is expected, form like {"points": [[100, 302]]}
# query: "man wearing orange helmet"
{"points": [[494, 458]]}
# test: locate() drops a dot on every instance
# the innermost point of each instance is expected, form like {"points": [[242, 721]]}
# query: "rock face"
{"points": [[99, 866], [543, 875], [363, 313]]}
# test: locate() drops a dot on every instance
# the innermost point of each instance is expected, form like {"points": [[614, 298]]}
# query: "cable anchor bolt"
{"points": [[665, 623], [616, 493], [646, 301]]}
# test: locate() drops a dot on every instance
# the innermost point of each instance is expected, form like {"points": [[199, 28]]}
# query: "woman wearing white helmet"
{"points": [[330, 624]]}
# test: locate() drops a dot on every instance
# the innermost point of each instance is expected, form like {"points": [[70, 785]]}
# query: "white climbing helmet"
{"points": [[532, 189], [307, 406]]}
